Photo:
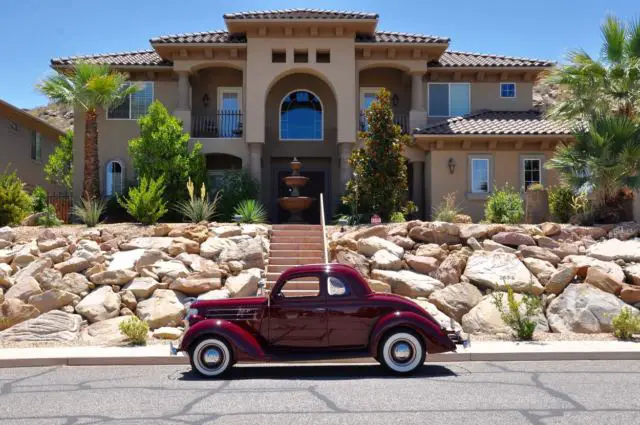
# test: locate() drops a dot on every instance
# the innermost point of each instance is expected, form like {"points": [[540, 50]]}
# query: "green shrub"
{"points": [[39, 199], [397, 217], [15, 203], [197, 209], [560, 198], [251, 211], [519, 321], [447, 209], [89, 211], [237, 185], [504, 205], [582, 210], [135, 329], [625, 324], [145, 202], [49, 218]]}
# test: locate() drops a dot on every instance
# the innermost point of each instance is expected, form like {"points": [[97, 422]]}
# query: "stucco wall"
{"points": [[208, 81], [15, 147], [506, 168], [394, 80]]}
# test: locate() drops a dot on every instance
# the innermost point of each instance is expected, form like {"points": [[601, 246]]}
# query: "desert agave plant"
{"points": [[89, 210], [251, 211], [197, 209]]}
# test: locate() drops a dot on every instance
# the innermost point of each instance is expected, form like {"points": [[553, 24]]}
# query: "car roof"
{"points": [[327, 268]]}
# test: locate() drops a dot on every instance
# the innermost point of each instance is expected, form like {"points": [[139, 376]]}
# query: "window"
{"points": [[508, 90], [480, 175], [115, 178], [449, 99], [229, 111], [135, 105], [36, 146], [278, 56], [301, 116], [323, 56], [367, 97], [307, 286], [301, 56], [531, 171], [337, 287]]}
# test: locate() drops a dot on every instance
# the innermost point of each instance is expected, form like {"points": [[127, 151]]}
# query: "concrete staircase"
{"points": [[292, 245]]}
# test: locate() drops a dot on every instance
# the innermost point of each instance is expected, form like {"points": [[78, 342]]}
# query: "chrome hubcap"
{"points": [[212, 357], [402, 352]]}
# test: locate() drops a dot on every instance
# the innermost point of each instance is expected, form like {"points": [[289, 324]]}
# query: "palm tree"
{"points": [[88, 87], [604, 159], [592, 87]]}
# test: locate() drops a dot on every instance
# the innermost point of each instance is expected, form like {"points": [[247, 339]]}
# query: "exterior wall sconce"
{"points": [[205, 100], [395, 100], [452, 165]]}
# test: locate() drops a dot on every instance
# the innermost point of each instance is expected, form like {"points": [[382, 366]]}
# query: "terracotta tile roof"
{"points": [[452, 59], [500, 122], [399, 37], [201, 37], [301, 14], [138, 58]]}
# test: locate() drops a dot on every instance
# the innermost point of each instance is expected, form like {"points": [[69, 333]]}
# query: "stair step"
{"points": [[309, 232], [278, 238], [294, 260], [273, 268], [296, 227], [295, 246]]}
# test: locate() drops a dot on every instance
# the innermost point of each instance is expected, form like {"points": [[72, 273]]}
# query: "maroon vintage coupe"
{"points": [[314, 312]]}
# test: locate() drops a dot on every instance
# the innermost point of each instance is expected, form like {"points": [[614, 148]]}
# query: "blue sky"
{"points": [[34, 31]]}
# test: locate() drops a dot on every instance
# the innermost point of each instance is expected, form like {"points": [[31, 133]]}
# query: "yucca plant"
{"points": [[251, 211], [198, 209], [89, 210]]}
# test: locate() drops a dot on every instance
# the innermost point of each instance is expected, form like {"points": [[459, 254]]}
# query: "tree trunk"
{"points": [[91, 182]]}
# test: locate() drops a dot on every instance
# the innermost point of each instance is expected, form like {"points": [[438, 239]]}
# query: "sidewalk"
{"points": [[479, 351]]}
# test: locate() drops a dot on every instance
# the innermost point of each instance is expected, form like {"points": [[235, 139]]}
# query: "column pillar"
{"points": [[344, 153], [417, 115], [418, 186], [255, 161], [183, 112]]}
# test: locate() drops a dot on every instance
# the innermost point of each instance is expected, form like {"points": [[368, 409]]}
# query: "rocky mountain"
{"points": [[57, 115]]}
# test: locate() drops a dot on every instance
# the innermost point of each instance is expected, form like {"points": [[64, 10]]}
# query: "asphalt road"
{"points": [[580, 393]]}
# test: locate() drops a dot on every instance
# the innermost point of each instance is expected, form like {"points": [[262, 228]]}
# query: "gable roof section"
{"points": [[491, 123], [137, 58], [29, 121], [399, 37], [208, 37], [453, 59], [284, 14]]}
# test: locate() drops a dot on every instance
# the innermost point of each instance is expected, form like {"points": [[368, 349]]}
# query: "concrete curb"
{"points": [[434, 358]]}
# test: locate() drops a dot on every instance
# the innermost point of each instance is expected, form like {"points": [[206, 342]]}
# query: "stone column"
{"points": [[183, 112], [344, 152], [418, 186], [255, 161], [417, 115]]}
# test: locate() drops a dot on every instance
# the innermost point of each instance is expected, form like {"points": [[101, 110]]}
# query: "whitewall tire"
{"points": [[402, 352], [210, 357]]}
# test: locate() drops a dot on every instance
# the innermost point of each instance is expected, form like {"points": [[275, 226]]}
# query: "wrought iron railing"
{"points": [[222, 124], [401, 120]]}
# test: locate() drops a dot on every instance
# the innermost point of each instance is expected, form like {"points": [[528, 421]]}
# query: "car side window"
{"points": [[337, 287], [301, 287]]}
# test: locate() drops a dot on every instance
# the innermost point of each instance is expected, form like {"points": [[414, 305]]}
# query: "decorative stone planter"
{"points": [[536, 206]]}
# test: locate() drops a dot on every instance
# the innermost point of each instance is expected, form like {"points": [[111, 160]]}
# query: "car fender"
{"points": [[242, 342], [432, 335]]}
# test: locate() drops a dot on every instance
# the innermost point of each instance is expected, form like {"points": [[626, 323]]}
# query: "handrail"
{"points": [[324, 231]]}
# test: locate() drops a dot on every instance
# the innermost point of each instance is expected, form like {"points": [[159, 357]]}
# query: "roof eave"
{"points": [[396, 43], [494, 67], [125, 67], [192, 44], [512, 135]]}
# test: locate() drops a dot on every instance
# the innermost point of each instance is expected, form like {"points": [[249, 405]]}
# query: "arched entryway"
{"points": [[301, 122]]}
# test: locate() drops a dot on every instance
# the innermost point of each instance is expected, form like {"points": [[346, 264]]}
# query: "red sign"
{"points": [[375, 219]]}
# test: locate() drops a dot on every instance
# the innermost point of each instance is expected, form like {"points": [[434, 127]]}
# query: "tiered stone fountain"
{"points": [[295, 203]]}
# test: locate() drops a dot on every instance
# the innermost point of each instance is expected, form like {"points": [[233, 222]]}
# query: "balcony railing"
{"points": [[222, 124], [401, 120]]}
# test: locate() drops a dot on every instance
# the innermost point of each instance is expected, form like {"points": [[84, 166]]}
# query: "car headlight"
{"points": [[190, 312]]}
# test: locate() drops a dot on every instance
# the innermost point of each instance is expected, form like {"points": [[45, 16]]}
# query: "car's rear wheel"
{"points": [[401, 352], [210, 357]]}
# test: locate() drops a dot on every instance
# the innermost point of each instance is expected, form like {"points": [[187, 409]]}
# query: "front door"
{"points": [[229, 111], [298, 314]]}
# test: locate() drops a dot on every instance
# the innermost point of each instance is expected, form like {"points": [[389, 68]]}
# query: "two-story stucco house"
{"points": [[25, 145], [279, 84]]}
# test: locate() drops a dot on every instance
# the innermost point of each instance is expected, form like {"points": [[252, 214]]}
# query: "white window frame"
{"points": [[523, 158], [321, 118], [515, 90], [449, 100], [364, 91], [223, 90], [489, 160], [153, 97], [106, 176]]}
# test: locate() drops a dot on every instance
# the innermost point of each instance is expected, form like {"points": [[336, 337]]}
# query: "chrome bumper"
{"points": [[173, 350], [460, 338]]}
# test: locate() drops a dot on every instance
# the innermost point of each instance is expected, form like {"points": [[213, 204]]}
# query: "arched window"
{"points": [[115, 178], [301, 116]]}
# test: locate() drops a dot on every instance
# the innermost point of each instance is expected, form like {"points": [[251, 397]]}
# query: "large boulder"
{"points": [[142, 287], [630, 294], [513, 239], [227, 231], [614, 249], [71, 282], [369, 246], [100, 304], [249, 252], [442, 319], [5, 275], [181, 245], [7, 234], [33, 269], [561, 278], [456, 300], [497, 270], [52, 299], [245, 284], [385, 260], [53, 326], [583, 263], [89, 250], [420, 264], [408, 283], [167, 332], [432, 250], [603, 281], [633, 273], [196, 284], [23, 289], [148, 259], [113, 277], [584, 309], [451, 268], [73, 265], [476, 231], [486, 318], [352, 258], [212, 247], [625, 231], [436, 232], [216, 294], [57, 255], [539, 253], [541, 269], [147, 242], [125, 259], [105, 332], [14, 311], [380, 230], [162, 309], [47, 245], [489, 245]]}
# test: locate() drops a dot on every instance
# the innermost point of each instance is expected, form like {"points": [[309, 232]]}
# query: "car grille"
{"points": [[232, 313]]}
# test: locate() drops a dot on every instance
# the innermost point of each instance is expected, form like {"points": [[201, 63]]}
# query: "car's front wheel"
{"points": [[401, 352], [210, 357]]}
